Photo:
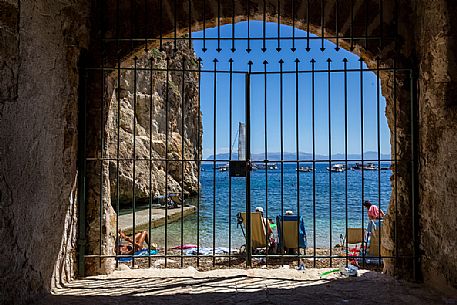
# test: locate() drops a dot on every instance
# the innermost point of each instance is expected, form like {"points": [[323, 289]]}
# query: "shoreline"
{"points": [[157, 217]]}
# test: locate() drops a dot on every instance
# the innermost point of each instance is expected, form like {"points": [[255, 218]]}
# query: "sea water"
{"points": [[328, 202]]}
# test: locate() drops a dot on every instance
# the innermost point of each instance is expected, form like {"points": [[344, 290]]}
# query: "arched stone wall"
{"points": [[139, 22]]}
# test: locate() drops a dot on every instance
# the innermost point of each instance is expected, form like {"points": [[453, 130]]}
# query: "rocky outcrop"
{"points": [[148, 114]]}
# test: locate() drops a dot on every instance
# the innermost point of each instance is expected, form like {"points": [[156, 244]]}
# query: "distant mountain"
{"points": [[368, 155]]}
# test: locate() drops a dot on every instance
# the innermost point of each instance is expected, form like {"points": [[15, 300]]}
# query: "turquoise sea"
{"points": [[333, 207]]}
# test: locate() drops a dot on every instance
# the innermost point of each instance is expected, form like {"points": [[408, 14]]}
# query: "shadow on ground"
{"points": [[255, 286]]}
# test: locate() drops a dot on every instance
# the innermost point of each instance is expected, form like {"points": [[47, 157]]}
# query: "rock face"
{"points": [[149, 114]]}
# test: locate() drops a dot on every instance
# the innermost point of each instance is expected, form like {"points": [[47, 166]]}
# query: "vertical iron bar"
{"points": [[248, 170], [265, 63], [322, 26], [378, 130], [278, 48], [134, 155], [351, 29], [366, 24], [395, 164], [175, 21], [214, 153], [233, 49], [307, 27], [218, 26], [361, 147], [230, 158], [82, 129], [190, 23], [297, 148], [150, 162], [167, 124], [337, 48], [102, 129], [146, 10], [414, 180], [182, 155], [161, 25], [264, 27], [118, 99], [293, 27], [281, 120], [199, 60], [248, 49], [396, 45], [381, 24], [345, 61], [313, 62], [330, 154], [204, 27]]}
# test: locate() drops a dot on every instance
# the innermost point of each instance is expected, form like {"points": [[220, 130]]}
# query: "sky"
{"points": [[368, 94]]}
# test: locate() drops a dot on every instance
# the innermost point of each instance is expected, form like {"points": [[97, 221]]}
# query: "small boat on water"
{"points": [[305, 169], [337, 168], [223, 168], [368, 166], [269, 165]]}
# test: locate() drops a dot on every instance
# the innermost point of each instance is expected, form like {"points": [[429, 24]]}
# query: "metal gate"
{"points": [[300, 174]]}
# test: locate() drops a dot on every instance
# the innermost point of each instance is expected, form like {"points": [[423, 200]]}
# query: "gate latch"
{"points": [[239, 168]]}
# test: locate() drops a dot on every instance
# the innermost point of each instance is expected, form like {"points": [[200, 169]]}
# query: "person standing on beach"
{"points": [[374, 213]]}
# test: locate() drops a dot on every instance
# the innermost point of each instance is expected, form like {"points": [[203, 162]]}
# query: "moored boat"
{"points": [[305, 169], [337, 168]]}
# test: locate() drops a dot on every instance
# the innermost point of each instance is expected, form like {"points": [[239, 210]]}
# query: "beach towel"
{"points": [[143, 252], [185, 246]]}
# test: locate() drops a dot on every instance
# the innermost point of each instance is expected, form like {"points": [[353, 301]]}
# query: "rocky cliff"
{"points": [[154, 108]]}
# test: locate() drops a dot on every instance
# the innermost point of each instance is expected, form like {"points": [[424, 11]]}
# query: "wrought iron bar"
{"points": [[199, 60], [329, 61], [313, 62], [230, 158], [215, 61], [281, 120], [345, 62], [248, 165], [297, 152], [361, 156], [167, 127]]}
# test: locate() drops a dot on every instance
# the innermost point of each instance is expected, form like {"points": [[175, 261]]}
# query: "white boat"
{"points": [[337, 168], [368, 166], [223, 168], [269, 165], [304, 169]]}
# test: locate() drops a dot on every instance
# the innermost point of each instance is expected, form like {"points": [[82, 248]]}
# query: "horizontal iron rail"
{"points": [[242, 256], [387, 69], [144, 39], [258, 161]]}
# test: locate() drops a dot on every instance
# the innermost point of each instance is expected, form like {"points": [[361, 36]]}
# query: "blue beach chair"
{"points": [[294, 232]]}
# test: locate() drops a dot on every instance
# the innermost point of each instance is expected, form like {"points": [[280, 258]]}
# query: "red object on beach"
{"points": [[185, 246]]}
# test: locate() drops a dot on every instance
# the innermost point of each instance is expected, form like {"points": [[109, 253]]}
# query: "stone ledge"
{"points": [[157, 218]]}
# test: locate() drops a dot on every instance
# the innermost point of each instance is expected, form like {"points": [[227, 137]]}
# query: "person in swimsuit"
{"points": [[134, 245]]}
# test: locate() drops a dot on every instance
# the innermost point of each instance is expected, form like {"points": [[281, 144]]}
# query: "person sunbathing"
{"points": [[132, 246]]}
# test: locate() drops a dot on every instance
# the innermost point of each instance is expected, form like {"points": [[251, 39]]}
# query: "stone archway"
{"points": [[398, 235]]}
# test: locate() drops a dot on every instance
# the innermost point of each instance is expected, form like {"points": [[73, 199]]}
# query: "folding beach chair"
{"points": [[258, 232], [355, 236], [291, 233]]}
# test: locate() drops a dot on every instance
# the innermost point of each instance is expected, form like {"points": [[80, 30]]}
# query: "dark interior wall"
{"points": [[437, 51], [40, 46]]}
